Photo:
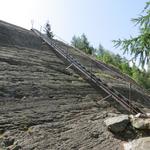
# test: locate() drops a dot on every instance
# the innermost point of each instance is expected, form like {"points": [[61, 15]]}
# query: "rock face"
{"points": [[43, 106], [11, 35], [117, 124], [139, 144]]}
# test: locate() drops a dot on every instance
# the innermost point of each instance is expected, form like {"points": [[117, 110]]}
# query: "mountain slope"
{"points": [[44, 106]]}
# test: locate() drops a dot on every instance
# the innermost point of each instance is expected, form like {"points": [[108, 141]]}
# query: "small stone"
{"points": [[138, 115], [16, 143]]}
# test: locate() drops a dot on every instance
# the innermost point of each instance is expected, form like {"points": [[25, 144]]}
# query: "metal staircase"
{"points": [[98, 83]]}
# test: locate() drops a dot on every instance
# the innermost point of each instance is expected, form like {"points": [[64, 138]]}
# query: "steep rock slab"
{"points": [[11, 35], [45, 106]]}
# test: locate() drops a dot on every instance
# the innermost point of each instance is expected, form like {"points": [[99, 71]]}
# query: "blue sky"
{"points": [[101, 20]]}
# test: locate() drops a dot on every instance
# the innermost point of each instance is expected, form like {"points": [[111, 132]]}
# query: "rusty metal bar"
{"points": [[123, 101]]}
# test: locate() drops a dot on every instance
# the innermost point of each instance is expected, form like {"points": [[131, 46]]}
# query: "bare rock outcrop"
{"points": [[44, 106]]}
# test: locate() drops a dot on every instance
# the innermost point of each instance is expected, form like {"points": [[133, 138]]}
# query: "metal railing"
{"points": [[97, 82], [115, 73]]}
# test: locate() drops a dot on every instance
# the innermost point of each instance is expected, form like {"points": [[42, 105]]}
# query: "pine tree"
{"points": [[139, 46], [48, 31]]}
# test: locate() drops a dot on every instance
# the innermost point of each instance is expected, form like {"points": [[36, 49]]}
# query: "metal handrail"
{"points": [[123, 101], [120, 75]]}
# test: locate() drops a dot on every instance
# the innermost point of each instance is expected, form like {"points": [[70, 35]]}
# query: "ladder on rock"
{"points": [[97, 82]]}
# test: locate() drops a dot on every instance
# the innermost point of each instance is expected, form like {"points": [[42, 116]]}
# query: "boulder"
{"points": [[118, 123], [139, 144], [140, 123]]}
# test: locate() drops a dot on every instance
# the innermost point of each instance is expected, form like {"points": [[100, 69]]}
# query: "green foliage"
{"points": [[106, 57], [48, 31], [142, 77], [115, 60], [125, 68], [139, 46], [100, 50], [82, 43]]}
